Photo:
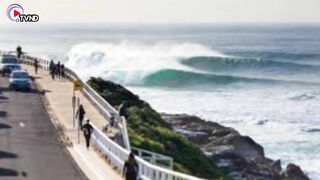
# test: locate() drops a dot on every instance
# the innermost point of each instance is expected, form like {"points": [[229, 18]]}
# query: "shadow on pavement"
{"points": [[3, 113], [32, 91], [4, 89], [4, 126], [4, 155], [35, 77], [3, 98], [8, 172]]}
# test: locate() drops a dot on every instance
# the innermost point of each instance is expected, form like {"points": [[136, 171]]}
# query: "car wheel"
{"points": [[11, 88]]}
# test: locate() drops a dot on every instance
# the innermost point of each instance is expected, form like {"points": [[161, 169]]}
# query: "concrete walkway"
{"points": [[58, 94]]}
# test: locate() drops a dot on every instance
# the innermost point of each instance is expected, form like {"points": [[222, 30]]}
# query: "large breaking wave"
{"points": [[175, 65]]}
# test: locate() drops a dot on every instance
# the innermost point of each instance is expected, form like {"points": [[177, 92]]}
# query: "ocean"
{"points": [[262, 80]]}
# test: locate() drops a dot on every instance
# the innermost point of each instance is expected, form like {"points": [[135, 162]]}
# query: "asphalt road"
{"points": [[29, 145]]}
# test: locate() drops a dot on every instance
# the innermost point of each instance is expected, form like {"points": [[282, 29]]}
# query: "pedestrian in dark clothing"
{"points": [[123, 109], [36, 63], [62, 70], [58, 70], [19, 52], [80, 114], [53, 71], [131, 168], [112, 121], [87, 131], [51, 65]]}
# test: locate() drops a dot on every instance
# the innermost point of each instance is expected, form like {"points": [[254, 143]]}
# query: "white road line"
{"points": [[21, 124]]}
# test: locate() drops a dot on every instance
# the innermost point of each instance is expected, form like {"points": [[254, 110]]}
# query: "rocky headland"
{"points": [[201, 148], [240, 157]]}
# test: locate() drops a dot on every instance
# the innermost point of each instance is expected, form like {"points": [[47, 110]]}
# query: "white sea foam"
{"points": [[128, 62], [284, 120]]}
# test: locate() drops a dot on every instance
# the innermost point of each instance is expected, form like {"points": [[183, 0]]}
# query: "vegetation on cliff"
{"points": [[148, 131]]}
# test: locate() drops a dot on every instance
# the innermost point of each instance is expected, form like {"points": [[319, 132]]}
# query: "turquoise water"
{"points": [[262, 80]]}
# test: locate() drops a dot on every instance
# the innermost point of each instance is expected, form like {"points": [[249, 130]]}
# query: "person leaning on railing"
{"points": [[123, 109]]}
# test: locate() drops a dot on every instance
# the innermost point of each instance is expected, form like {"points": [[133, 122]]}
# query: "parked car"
{"points": [[8, 59], [8, 68], [20, 80]]}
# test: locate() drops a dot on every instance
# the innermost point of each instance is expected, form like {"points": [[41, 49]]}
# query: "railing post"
{"points": [[125, 134]]}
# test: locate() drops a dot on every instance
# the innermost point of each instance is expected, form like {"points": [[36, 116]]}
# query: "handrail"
{"points": [[154, 158], [114, 153], [117, 156]]}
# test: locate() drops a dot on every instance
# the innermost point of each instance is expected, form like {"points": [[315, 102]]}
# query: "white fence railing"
{"points": [[154, 158], [115, 154]]}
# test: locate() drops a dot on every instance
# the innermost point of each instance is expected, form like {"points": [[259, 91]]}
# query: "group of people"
{"points": [[56, 70], [130, 168], [87, 127]]}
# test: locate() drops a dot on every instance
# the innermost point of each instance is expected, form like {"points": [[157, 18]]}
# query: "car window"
{"points": [[20, 75], [14, 67], [9, 60]]}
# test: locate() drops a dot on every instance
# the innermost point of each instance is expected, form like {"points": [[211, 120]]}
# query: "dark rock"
{"points": [[238, 156], [211, 136], [245, 147], [276, 166], [293, 172]]}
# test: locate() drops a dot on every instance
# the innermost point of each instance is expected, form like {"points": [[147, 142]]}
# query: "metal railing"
{"points": [[115, 154], [154, 158]]}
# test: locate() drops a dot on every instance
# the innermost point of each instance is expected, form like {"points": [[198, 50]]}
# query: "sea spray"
{"points": [[132, 60]]}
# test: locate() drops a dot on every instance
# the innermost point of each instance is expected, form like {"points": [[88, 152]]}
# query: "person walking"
{"points": [[19, 52], [80, 115], [36, 63], [51, 64], [62, 70], [87, 131], [131, 168], [58, 70], [52, 70]]}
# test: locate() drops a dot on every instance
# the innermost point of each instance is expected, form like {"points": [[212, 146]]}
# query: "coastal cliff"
{"points": [[198, 147], [240, 157]]}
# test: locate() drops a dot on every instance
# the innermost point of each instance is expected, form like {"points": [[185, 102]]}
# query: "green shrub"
{"points": [[148, 131]]}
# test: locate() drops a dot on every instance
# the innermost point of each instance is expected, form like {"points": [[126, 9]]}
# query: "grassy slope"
{"points": [[148, 131]]}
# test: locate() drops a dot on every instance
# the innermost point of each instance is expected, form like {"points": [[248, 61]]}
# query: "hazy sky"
{"points": [[169, 11]]}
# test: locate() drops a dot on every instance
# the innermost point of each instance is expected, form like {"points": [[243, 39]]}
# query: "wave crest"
{"points": [[174, 65], [132, 60]]}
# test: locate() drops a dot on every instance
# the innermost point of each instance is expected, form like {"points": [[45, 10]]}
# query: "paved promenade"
{"points": [[29, 144], [58, 94]]}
